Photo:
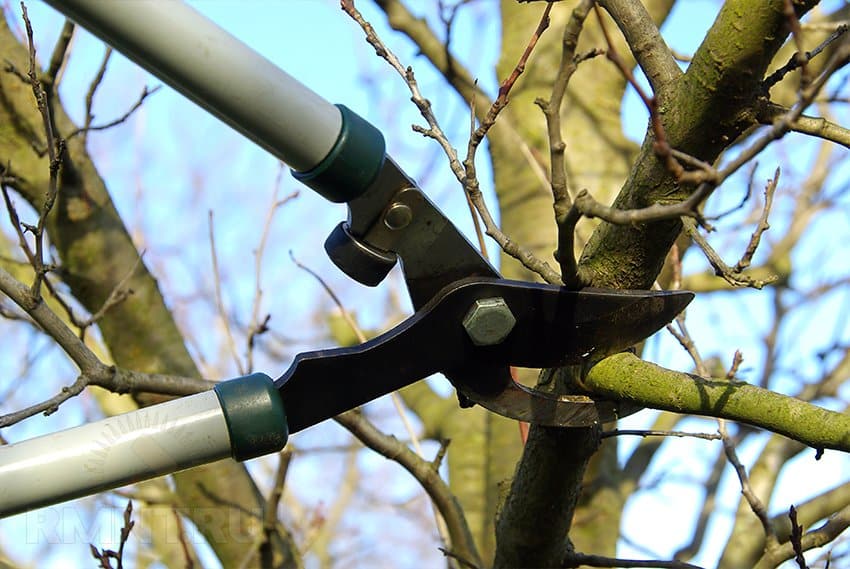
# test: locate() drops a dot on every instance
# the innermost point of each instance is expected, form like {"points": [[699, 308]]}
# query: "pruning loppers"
{"points": [[469, 324]]}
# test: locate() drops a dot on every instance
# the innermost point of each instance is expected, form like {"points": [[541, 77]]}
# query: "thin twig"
{"points": [[796, 538], [258, 327], [737, 360], [470, 180], [651, 433], [462, 544], [464, 562], [797, 61], [47, 406], [506, 86], [18, 226], [55, 147], [583, 559], [50, 77], [219, 300], [448, 28], [721, 269], [763, 225], [784, 124], [461, 171], [93, 86], [755, 503], [566, 216], [116, 296], [731, 453], [750, 183], [182, 538], [270, 519], [123, 118], [92, 370], [797, 35], [105, 556]]}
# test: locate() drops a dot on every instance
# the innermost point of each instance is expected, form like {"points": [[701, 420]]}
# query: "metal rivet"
{"points": [[489, 321], [398, 216]]}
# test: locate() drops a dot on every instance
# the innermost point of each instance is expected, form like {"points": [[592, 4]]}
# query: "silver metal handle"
{"points": [[218, 72], [120, 450]]}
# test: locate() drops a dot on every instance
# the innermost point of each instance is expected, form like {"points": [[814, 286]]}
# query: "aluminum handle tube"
{"points": [[217, 71], [120, 450]]}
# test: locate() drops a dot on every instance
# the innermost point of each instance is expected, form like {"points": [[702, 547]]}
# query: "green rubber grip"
{"points": [[253, 411], [351, 165]]}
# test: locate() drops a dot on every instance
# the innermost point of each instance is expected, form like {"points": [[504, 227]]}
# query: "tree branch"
{"points": [[464, 172], [811, 511], [645, 40], [532, 528], [813, 126], [708, 110], [732, 275], [583, 559], [626, 377], [60, 54], [810, 540], [92, 370], [425, 473], [566, 216]]}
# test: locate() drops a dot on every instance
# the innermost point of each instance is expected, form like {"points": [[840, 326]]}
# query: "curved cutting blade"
{"points": [[554, 326], [553, 329]]}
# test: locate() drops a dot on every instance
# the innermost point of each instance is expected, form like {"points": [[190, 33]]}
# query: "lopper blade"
{"points": [[554, 326]]}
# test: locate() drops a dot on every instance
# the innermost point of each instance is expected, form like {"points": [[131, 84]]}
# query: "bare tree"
{"points": [[736, 192]]}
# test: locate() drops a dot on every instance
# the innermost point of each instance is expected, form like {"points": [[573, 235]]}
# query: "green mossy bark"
{"points": [[702, 112], [536, 536], [628, 378], [598, 158], [96, 253]]}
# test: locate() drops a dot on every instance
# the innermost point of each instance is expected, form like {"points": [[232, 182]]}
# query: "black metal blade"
{"points": [[609, 321], [554, 326]]}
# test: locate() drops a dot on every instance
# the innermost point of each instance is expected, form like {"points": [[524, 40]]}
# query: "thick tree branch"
{"points": [[626, 377], [532, 527], [709, 108], [645, 40], [426, 474]]}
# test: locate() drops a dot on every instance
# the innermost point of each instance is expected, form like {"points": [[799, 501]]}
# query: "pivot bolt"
{"points": [[489, 321], [398, 216]]}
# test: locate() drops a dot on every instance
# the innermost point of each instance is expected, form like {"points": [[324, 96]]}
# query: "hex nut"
{"points": [[489, 321]]}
